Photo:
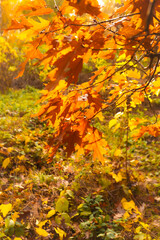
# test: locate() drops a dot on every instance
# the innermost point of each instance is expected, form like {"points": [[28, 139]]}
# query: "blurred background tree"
{"points": [[12, 48], [12, 51]]}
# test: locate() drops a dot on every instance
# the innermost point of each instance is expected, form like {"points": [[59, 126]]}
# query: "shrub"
{"points": [[10, 59]]}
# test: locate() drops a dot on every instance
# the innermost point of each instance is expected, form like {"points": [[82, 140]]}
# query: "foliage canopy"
{"points": [[127, 40]]}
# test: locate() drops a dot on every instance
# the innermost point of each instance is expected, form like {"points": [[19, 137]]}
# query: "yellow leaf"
{"points": [[116, 127], [60, 232], [42, 232], [1, 220], [27, 139], [138, 229], [5, 208], [134, 74], [51, 213], [22, 168], [126, 215], [6, 162], [62, 84], [39, 25], [21, 157], [122, 57], [17, 238], [132, 124], [118, 153], [156, 87], [15, 216], [112, 122], [10, 149], [117, 177], [145, 226], [100, 116], [129, 206], [41, 224]]}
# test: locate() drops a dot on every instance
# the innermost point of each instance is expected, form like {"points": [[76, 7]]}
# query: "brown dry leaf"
{"points": [[35, 208], [142, 208], [120, 212]]}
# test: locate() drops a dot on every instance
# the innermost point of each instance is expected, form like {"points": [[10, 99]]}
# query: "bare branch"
{"points": [[149, 14]]}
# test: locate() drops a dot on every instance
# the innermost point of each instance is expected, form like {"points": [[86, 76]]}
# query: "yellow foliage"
{"points": [[129, 206], [15, 216], [42, 232], [60, 232], [118, 153], [6, 162], [117, 177], [41, 224], [112, 122], [131, 215], [5, 208], [51, 213]]}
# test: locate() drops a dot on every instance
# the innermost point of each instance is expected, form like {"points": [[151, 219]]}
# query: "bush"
{"points": [[8, 63], [10, 59]]}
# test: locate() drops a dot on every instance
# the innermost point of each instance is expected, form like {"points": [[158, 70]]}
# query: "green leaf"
{"points": [[85, 213], [58, 219], [9, 223], [101, 235], [62, 205], [2, 234], [19, 231], [9, 231], [111, 234], [70, 193], [80, 206], [66, 217]]}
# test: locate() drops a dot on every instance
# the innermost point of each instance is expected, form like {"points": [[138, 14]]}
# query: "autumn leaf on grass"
{"points": [[130, 207], [15, 216], [60, 232], [51, 213], [118, 177], [5, 208], [41, 224], [42, 232], [6, 162]]}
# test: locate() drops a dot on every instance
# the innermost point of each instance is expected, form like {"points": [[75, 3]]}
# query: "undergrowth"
{"points": [[73, 198]]}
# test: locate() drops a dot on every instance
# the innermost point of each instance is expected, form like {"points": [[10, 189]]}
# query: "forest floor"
{"points": [[73, 198]]}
